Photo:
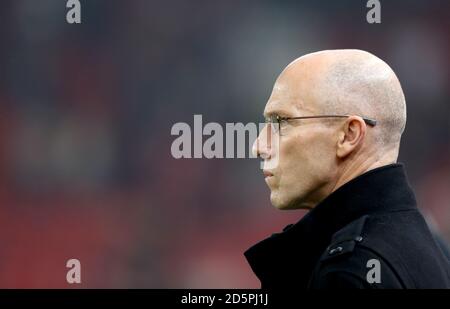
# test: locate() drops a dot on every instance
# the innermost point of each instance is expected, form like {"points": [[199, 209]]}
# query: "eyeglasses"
{"points": [[276, 120]]}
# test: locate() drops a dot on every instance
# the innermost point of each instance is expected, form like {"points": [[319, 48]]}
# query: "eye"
{"points": [[273, 122], [282, 121]]}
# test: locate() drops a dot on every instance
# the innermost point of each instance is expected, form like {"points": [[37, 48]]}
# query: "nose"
{"points": [[262, 145]]}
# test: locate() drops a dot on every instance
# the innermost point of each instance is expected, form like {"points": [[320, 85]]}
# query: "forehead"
{"points": [[297, 90], [285, 101]]}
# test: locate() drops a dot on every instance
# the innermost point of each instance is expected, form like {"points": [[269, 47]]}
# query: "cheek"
{"points": [[295, 151], [293, 163], [304, 158]]}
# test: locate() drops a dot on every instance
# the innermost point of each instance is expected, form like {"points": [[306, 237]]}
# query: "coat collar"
{"points": [[294, 252]]}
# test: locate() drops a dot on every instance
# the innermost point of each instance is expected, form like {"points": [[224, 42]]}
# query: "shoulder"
{"points": [[350, 261]]}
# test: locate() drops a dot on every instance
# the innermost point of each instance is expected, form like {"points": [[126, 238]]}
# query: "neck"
{"points": [[362, 164]]}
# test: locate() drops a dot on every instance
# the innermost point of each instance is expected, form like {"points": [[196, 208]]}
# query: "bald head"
{"points": [[350, 82]]}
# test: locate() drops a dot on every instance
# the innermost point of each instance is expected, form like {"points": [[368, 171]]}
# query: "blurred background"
{"points": [[86, 113]]}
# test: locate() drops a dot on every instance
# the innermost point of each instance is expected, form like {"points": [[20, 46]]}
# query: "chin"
{"points": [[287, 203], [282, 203]]}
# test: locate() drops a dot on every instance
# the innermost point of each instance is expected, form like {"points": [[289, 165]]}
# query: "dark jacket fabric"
{"points": [[366, 234]]}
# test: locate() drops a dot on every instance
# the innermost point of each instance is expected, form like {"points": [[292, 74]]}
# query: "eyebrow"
{"points": [[276, 113]]}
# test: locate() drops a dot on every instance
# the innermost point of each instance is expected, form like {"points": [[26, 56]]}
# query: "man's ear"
{"points": [[351, 136]]}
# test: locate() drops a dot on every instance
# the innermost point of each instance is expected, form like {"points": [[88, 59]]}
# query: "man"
{"points": [[334, 123]]}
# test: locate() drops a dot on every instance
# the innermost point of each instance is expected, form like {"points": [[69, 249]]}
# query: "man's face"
{"points": [[300, 161]]}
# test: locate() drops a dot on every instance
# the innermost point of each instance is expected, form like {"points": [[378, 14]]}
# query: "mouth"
{"points": [[267, 174]]}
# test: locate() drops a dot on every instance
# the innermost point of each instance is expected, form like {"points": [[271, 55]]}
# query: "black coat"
{"points": [[366, 234]]}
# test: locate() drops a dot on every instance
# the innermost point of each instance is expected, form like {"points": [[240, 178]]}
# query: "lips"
{"points": [[267, 174]]}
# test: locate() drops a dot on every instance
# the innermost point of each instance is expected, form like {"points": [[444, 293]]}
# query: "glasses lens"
{"points": [[273, 124]]}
